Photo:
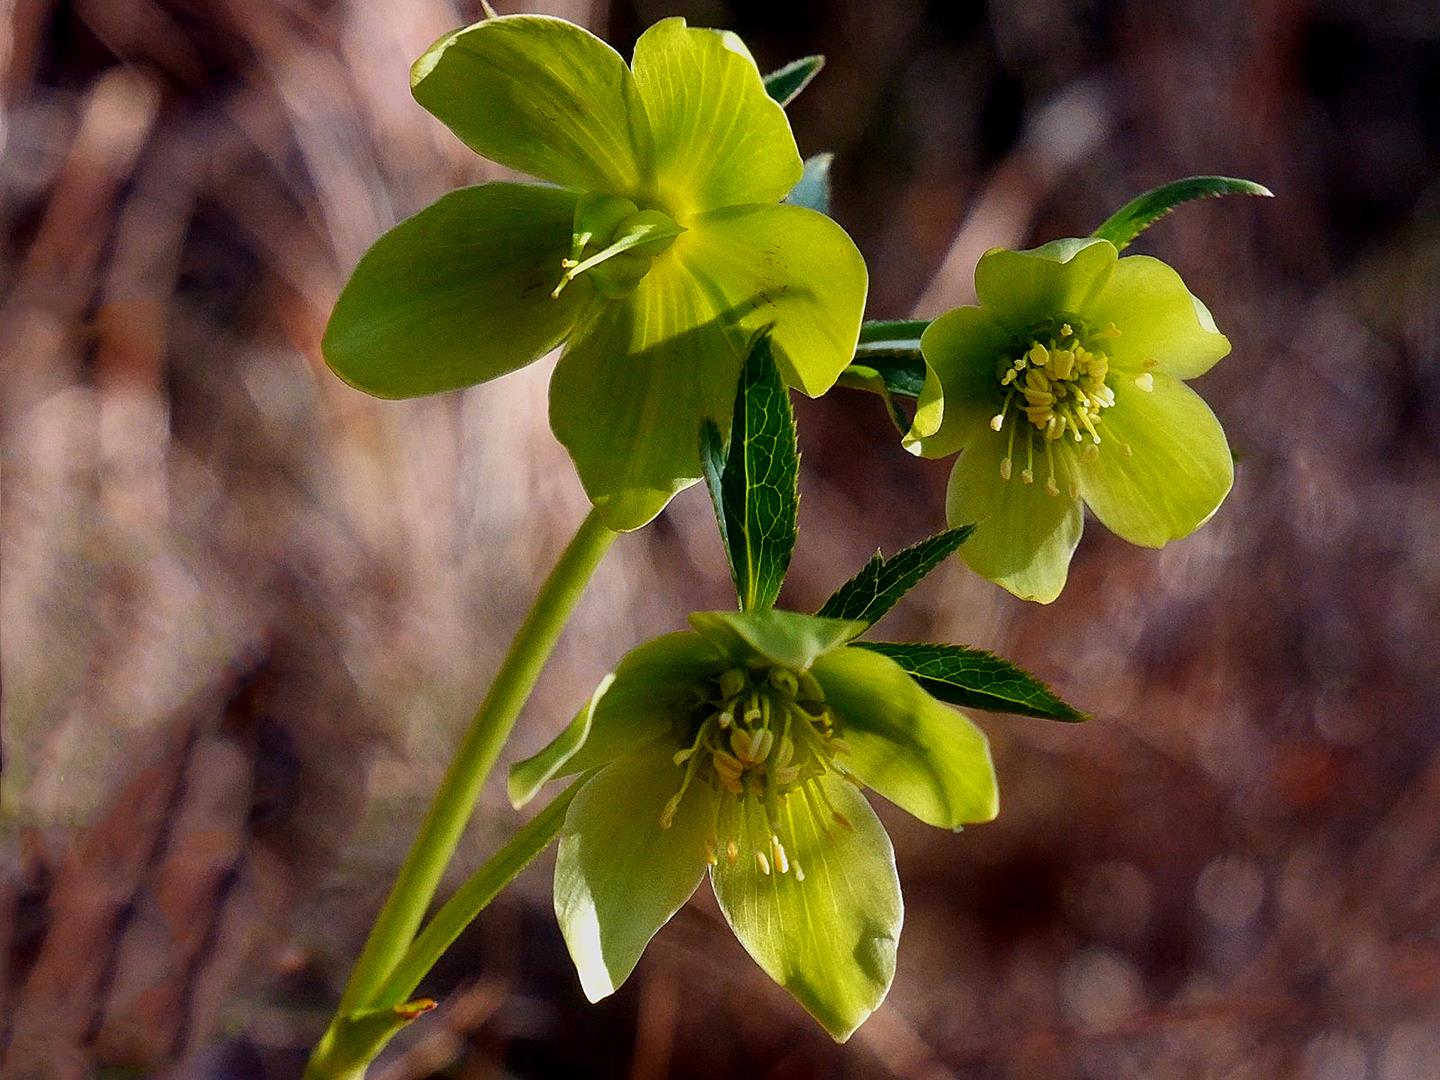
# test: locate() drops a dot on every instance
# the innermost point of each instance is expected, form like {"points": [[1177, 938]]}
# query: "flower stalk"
{"points": [[414, 889]]}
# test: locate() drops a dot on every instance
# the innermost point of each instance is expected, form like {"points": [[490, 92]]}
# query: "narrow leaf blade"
{"points": [[892, 331], [784, 85], [1145, 209], [976, 679], [902, 370], [882, 582], [756, 492], [712, 464]]}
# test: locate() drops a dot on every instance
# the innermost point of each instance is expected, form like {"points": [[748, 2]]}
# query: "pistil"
{"points": [[761, 732]]}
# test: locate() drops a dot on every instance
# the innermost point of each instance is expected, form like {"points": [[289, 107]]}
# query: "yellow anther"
{"points": [[710, 855], [1065, 330], [732, 851], [1091, 452], [752, 747], [799, 873], [1050, 486], [777, 855], [1126, 450], [1027, 476], [1038, 355], [1145, 382], [762, 863], [682, 756], [997, 421], [784, 753], [1005, 468]]}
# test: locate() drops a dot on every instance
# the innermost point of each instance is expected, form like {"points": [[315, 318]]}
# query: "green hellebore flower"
{"points": [[657, 259], [739, 746], [1064, 384]]}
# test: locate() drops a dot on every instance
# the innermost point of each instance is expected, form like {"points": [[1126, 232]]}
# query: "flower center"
{"points": [[1057, 387], [614, 241], [760, 732]]}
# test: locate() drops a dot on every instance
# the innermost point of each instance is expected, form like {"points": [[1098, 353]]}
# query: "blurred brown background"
{"points": [[246, 610]]}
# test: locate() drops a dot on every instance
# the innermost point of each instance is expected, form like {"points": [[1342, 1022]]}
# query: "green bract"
{"points": [[657, 259], [1064, 384], [739, 746]]}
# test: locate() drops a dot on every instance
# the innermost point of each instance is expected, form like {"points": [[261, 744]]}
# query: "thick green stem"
{"points": [[352, 1040], [419, 876], [473, 897]]}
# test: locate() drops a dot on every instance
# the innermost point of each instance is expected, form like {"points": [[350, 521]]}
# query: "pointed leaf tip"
{"points": [[976, 679], [1145, 209], [784, 84], [882, 582]]}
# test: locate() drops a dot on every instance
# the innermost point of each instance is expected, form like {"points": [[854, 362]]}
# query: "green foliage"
{"points": [[754, 483], [975, 678], [881, 582], [1123, 226], [784, 84]]}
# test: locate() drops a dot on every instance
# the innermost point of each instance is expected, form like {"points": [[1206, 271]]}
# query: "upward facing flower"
{"points": [[1065, 384], [657, 259], [739, 747]]}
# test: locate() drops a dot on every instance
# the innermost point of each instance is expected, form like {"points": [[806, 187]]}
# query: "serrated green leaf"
{"points": [[975, 678], [756, 491], [881, 582], [813, 190], [901, 370], [888, 362], [784, 85], [1144, 210]]}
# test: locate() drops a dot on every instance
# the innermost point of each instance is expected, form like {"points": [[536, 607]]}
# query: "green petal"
{"points": [[1159, 320], [541, 95], [619, 876], [923, 756], [719, 138], [457, 294], [1023, 287], [786, 267], [828, 939], [633, 705], [1178, 474], [786, 638], [636, 380], [1024, 537], [961, 349]]}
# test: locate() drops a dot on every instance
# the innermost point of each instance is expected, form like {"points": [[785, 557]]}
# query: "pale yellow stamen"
{"points": [[778, 856], [1145, 382]]}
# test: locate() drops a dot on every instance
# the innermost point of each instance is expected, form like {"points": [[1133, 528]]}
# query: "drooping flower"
{"points": [[1066, 384], [662, 251], [739, 747]]}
